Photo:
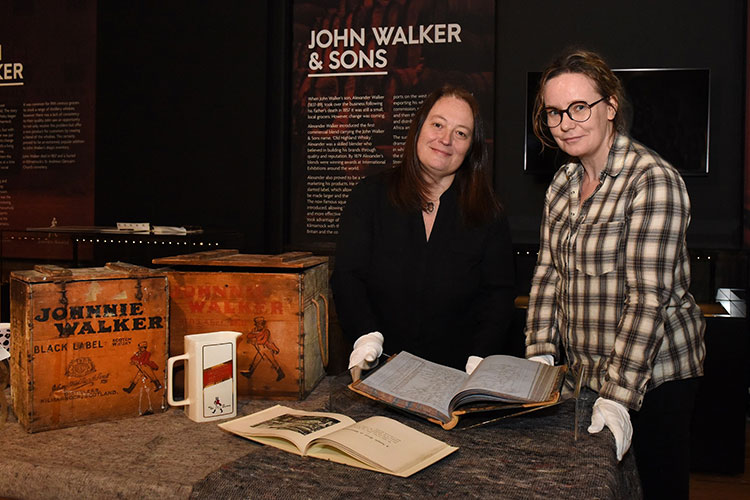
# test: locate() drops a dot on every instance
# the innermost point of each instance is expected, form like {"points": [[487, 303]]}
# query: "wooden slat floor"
{"points": [[718, 486]]}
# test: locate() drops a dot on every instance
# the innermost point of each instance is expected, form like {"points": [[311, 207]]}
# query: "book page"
{"points": [[415, 384], [510, 379], [280, 426], [384, 444]]}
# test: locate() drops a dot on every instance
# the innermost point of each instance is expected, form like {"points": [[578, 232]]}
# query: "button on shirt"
{"points": [[610, 288]]}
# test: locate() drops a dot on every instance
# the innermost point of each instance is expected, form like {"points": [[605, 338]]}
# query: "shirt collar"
{"points": [[615, 159]]}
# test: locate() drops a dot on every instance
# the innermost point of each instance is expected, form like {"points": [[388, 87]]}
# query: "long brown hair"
{"points": [[476, 199], [605, 81]]}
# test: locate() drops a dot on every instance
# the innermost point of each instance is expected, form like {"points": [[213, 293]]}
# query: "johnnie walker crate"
{"points": [[88, 344], [278, 302]]}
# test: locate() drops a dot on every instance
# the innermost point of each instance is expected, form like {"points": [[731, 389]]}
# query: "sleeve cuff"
{"points": [[626, 397], [540, 349]]}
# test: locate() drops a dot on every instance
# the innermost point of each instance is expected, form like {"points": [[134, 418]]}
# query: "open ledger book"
{"points": [[441, 393], [376, 443]]}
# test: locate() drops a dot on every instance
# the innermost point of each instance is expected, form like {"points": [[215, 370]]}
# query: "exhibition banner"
{"points": [[360, 70], [47, 93]]}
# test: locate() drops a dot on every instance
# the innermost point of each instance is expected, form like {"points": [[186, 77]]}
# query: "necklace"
{"points": [[429, 207]]}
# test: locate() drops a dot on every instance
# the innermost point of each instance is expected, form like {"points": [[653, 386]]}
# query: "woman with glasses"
{"points": [[609, 292], [424, 261]]}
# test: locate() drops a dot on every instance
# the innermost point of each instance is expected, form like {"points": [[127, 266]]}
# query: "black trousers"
{"points": [[661, 439]]}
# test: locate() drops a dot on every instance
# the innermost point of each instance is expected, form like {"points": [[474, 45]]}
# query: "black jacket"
{"points": [[442, 300]]}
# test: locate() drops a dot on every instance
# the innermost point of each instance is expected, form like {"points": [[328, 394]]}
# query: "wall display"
{"points": [[47, 93], [670, 114], [360, 71]]}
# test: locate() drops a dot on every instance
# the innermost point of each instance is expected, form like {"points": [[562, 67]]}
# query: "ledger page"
{"points": [[415, 384], [511, 379]]}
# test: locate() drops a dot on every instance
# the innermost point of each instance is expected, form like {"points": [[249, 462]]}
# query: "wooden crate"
{"points": [[88, 344], [278, 302]]}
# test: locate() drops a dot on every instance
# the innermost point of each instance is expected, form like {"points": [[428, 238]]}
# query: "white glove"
{"points": [[546, 359], [616, 417], [367, 350], [472, 362]]}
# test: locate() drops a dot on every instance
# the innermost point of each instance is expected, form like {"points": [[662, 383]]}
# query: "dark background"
{"points": [[192, 122], [182, 115], [192, 114], [667, 109], [640, 34]]}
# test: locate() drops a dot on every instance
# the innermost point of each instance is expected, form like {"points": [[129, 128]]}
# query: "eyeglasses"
{"points": [[578, 111]]}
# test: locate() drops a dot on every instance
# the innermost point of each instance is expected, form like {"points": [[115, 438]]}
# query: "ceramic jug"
{"points": [[210, 376]]}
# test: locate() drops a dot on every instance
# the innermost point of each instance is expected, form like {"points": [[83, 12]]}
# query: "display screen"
{"points": [[670, 114]]}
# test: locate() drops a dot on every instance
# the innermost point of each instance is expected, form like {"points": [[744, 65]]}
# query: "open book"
{"points": [[376, 443], [441, 393]]}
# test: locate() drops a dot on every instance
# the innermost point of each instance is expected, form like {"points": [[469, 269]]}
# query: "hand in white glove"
{"points": [[472, 362], [367, 350], [547, 359], [616, 417]]}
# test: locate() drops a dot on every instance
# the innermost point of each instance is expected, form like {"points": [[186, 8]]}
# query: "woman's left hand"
{"points": [[616, 417]]}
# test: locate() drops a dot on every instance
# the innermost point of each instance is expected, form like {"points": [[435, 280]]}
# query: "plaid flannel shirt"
{"points": [[610, 287]]}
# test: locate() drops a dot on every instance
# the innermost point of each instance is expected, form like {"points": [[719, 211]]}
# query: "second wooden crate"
{"points": [[278, 302]]}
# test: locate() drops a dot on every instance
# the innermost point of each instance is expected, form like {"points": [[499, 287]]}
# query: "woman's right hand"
{"points": [[367, 350]]}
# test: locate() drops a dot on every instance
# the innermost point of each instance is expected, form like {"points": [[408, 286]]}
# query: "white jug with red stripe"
{"points": [[210, 376]]}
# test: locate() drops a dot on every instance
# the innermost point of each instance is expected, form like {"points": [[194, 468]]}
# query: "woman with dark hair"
{"points": [[609, 292], [424, 259]]}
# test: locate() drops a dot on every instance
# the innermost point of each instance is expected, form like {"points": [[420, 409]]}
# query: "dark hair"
{"points": [[586, 63], [408, 189]]}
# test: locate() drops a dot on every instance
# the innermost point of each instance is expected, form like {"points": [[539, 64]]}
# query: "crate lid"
{"points": [[112, 270], [232, 258]]}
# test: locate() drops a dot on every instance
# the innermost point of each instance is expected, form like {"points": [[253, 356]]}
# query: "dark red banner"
{"points": [[360, 70]]}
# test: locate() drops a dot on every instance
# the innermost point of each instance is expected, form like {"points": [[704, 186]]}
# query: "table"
{"points": [[717, 439], [81, 244], [170, 456]]}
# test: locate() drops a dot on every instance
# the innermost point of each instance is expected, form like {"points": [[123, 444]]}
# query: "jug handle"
{"points": [[170, 384], [322, 344]]}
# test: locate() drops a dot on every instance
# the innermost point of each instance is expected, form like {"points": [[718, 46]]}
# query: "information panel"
{"points": [[360, 71], [47, 93]]}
